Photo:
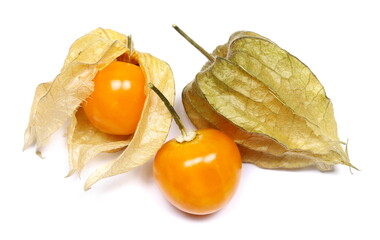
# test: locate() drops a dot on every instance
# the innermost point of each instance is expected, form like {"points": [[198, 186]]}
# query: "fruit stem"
{"points": [[185, 134], [130, 46], [196, 45]]}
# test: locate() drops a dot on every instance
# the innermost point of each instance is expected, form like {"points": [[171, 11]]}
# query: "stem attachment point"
{"points": [[130, 46], [185, 135]]}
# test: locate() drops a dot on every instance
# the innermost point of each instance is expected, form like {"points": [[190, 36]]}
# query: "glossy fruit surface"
{"points": [[116, 104], [199, 176]]}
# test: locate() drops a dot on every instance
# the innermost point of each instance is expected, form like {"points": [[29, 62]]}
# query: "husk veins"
{"points": [[60, 100], [269, 102]]}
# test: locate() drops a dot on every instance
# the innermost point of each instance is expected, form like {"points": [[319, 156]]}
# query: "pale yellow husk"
{"points": [[85, 141], [57, 101], [269, 102], [154, 124]]}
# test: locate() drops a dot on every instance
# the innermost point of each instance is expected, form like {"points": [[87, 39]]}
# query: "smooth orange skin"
{"points": [[201, 176], [118, 98]]}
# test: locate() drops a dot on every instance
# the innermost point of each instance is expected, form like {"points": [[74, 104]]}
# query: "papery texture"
{"points": [[85, 142], [57, 101], [54, 105], [269, 102], [154, 124]]}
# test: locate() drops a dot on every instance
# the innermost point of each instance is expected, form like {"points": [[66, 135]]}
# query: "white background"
{"points": [[338, 40]]}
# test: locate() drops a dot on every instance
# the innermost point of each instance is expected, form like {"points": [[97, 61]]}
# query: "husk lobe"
{"points": [[57, 101], [269, 102]]}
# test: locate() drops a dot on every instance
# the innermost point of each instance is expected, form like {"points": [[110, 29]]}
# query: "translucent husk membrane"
{"points": [[269, 102], [57, 101]]}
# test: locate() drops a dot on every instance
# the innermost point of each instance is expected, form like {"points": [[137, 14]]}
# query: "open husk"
{"points": [[57, 101]]}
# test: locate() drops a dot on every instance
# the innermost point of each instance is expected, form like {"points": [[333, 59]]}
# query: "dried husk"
{"points": [[52, 106], [85, 142], [57, 101], [269, 102], [154, 124]]}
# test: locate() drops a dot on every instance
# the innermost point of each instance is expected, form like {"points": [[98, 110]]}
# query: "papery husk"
{"points": [[85, 142], [54, 105], [57, 101], [154, 124], [269, 102]]}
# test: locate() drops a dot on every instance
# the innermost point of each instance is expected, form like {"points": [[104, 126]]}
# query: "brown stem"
{"points": [[170, 108], [130, 46], [196, 45]]}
